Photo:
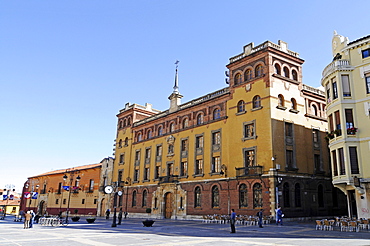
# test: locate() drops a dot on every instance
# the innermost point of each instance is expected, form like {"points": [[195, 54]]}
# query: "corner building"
{"points": [[257, 143], [347, 83]]}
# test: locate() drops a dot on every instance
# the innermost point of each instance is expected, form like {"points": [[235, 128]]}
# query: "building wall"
{"points": [[257, 161], [348, 61]]}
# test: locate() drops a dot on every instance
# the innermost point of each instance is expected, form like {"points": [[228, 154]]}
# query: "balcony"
{"points": [[168, 179], [248, 171], [336, 65]]}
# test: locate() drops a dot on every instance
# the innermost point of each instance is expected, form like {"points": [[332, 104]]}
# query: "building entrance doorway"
{"points": [[41, 209], [352, 203], [168, 205], [102, 207]]}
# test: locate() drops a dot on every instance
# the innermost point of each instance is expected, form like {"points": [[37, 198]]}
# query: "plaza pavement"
{"points": [[173, 232]]}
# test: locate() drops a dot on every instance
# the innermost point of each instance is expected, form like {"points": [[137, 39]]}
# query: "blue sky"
{"points": [[67, 67]]}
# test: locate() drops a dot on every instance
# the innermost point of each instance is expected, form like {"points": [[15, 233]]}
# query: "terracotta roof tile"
{"points": [[68, 169]]}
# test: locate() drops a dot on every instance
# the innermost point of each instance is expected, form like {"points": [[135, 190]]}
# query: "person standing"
{"points": [[232, 220], [120, 216], [260, 217], [32, 218], [279, 216], [107, 213], [27, 219]]}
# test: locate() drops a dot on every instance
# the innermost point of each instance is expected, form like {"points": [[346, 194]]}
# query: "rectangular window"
{"points": [[199, 166], [216, 164], [147, 153], [349, 121], [59, 188], [337, 123], [95, 201], [146, 174], [335, 163], [328, 92], [353, 160], [216, 138], [289, 159], [156, 172], [56, 201], [315, 135], [169, 169], [317, 161], [345, 86], [341, 161], [288, 129], [91, 186], [331, 123], [159, 151], [122, 158], [184, 168], [119, 178], [249, 131], [365, 53], [83, 201], [335, 89], [199, 142], [137, 155], [249, 158], [184, 145], [136, 175], [64, 201], [367, 81]]}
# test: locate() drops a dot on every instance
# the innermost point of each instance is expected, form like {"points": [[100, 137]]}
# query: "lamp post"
{"points": [[65, 177]]}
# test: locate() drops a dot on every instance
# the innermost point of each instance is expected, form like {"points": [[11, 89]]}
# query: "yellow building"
{"points": [[257, 143], [347, 83], [73, 189]]}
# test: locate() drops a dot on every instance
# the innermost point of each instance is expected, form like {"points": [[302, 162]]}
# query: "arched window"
{"points": [[243, 202], [197, 197], [295, 75], [120, 143], [241, 106], [128, 121], [238, 79], [145, 198], [277, 69], [200, 119], [139, 137], [126, 141], [185, 123], [314, 109], [120, 124], [160, 131], [256, 101], [258, 71], [297, 195], [172, 127], [281, 102], [149, 134], [124, 122], [215, 197], [320, 195], [216, 114], [286, 198], [294, 103], [286, 72], [248, 75], [134, 198], [257, 195]]}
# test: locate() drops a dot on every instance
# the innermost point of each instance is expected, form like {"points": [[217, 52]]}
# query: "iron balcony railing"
{"points": [[248, 171], [168, 179]]}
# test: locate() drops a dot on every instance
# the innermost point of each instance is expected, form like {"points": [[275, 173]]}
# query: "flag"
{"points": [[66, 187], [5, 197], [34, 195], [27, 195], [75, 187]]}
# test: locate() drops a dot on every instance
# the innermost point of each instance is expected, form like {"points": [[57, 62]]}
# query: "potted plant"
{"points": [[351, 130], [148, 222], [75, 218], [330, 135], [91, 218]]}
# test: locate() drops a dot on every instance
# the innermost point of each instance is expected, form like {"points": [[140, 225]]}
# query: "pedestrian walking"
{"points": [[125, 213], [232, 220], [120, 216], [27, 219], [107, 213], [279, 216], [260, 217]]}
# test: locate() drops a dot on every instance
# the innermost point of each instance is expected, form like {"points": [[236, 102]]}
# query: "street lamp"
{"points": [[65, 177], [108, 190]]}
